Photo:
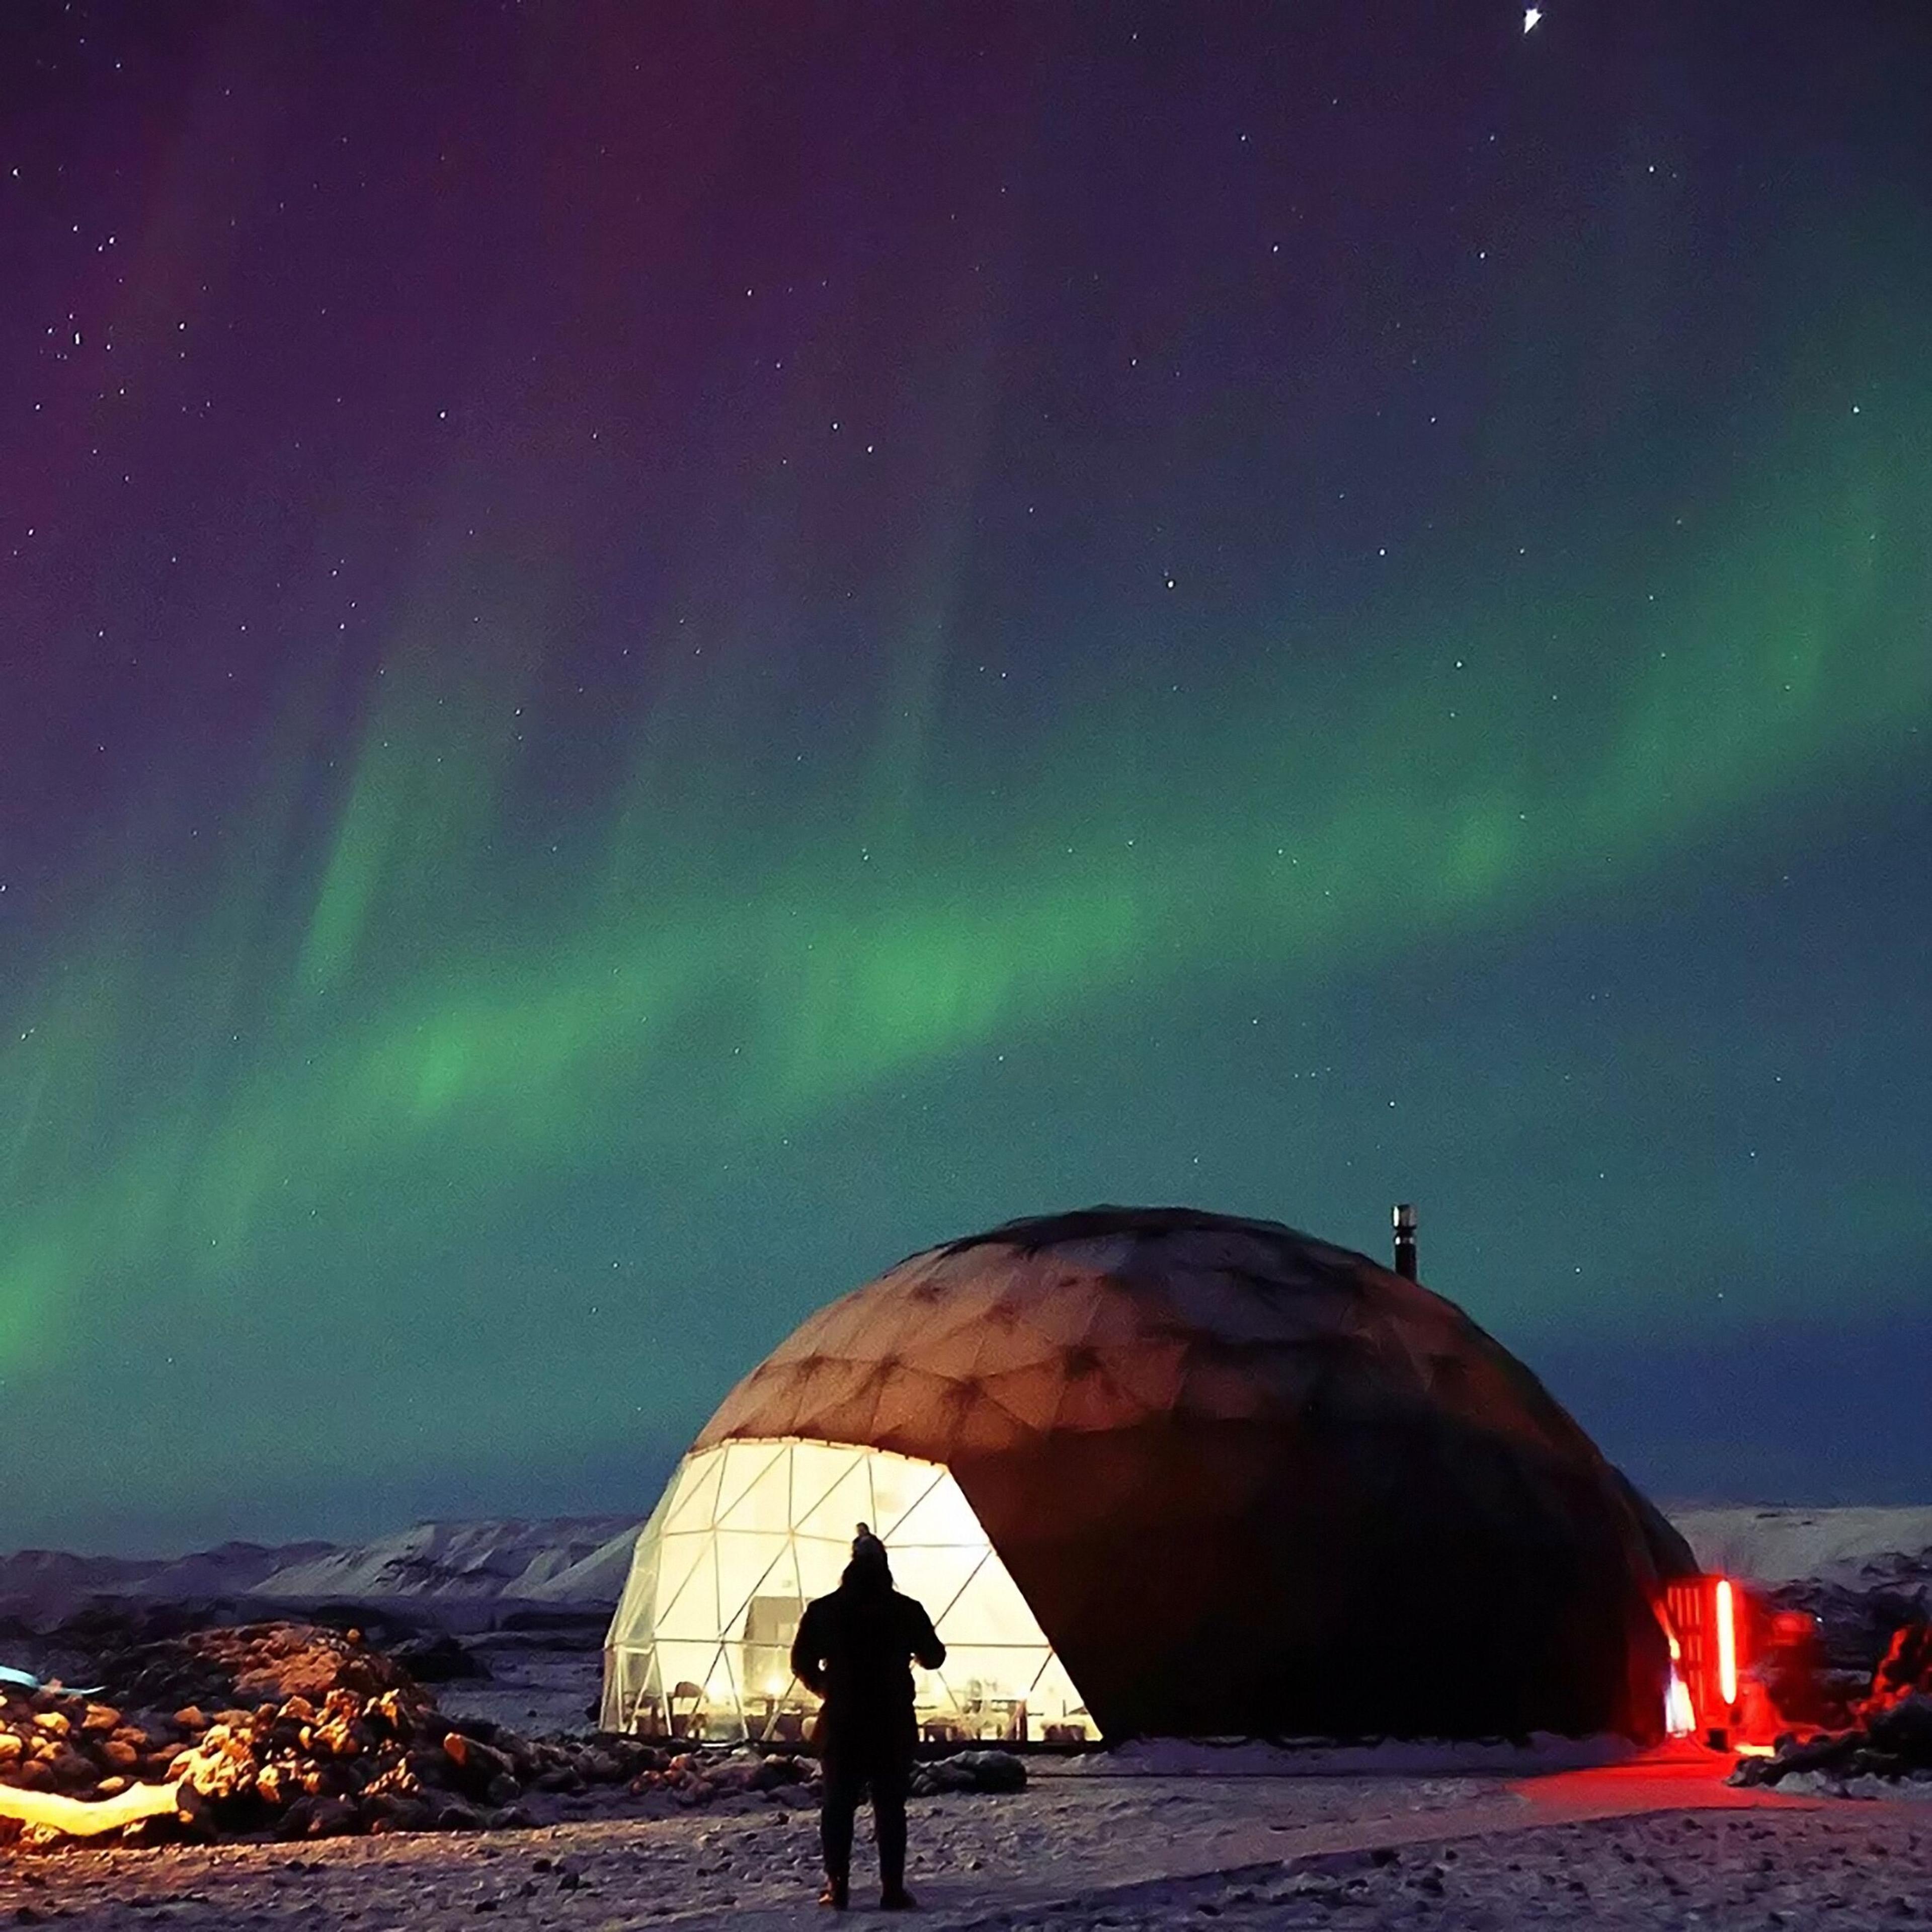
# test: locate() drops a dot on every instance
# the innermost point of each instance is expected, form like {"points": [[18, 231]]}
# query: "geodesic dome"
{"points": [[1156, 1470]]}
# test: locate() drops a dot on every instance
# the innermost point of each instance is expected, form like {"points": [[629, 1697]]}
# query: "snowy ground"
{"points": [[1079, 1853]]}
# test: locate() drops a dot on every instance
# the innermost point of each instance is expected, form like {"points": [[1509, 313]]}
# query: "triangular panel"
{"points": [[695, 1500], [745, 1464]]}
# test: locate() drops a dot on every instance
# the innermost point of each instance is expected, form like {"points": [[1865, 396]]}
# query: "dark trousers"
{"points": [[847, 1774]]}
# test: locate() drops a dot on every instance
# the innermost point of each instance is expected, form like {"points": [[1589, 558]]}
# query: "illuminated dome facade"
{"points": [[1156, 1471]]}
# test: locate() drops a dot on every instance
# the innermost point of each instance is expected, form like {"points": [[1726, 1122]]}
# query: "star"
{"points": [[1531, 15]]}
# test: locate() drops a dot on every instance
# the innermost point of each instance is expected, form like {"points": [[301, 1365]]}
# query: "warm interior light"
{"points": [[1726, 1606], [1680, 1715]]}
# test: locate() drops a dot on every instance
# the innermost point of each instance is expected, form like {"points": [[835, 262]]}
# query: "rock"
{"points": [[245, 1666], [477, 1765], [982, 1771], [72, 1771], [440, 1660], [1904, 1729], [398, 1812], [192, 1814], [320, 1816], [337, 1729], [1895, 1745], [1904, 1671]]}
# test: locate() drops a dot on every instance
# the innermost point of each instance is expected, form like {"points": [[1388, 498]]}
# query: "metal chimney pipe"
{"points": [[1405, 1240]]}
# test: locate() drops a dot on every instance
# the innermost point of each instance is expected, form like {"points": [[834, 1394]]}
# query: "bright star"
{"points": [[1531, 15]]}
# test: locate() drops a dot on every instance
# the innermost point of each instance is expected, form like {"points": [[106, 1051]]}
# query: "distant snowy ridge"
{"points": [[570, 1563], [490, 1560], [1859, 1573], [1774, 1544], [580, 1563]]}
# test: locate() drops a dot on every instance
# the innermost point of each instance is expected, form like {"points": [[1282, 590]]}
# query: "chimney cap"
{"points": [[1404, 1217]]}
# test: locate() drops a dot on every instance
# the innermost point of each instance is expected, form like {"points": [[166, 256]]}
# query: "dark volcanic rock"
{"points": [[440, 1660], [1858, 1616], [1893, 1739]]}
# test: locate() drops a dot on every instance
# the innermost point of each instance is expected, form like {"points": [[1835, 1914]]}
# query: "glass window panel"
{"points": [[936, 1577], [679, 1556], [765, 1670], [815, 1467], [693, 1612], [637, 1609], [942, 1516], [686, 1670], [840, 1509], [930, 1692], [990, 1610], [744, 1463], [1053, 1700], [989, 1689], [821, 1562], [724, 1713], [744, 1556], [697, 1494], [766, 1502], [1004, 1672], [899, 1482], [629, 1677], [653, 1529], [781, 1579]]}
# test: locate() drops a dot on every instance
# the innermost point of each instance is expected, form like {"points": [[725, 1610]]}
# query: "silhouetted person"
{"points": [[855, 1649]]}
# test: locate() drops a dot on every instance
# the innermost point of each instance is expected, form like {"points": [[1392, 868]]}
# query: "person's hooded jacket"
{"points": [[856, 1649]]}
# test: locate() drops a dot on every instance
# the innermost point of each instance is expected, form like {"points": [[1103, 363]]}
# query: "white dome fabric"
{"points": [[747, 1533]]}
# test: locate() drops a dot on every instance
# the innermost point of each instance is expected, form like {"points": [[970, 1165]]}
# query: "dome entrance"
{"points": [[747, 1533]]}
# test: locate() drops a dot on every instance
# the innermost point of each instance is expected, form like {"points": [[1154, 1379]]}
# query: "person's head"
{"points": [[868, 1569]]}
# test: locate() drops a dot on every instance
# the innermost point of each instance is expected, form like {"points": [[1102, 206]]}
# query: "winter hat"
{"points": [[868, 1562]]}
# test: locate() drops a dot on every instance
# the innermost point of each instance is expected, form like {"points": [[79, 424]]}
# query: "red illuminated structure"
{"points": [[1739, 1674], [1703, 1614]]}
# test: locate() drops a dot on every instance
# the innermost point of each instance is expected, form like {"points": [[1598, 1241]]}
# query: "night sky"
{"points": [[650, 655]]}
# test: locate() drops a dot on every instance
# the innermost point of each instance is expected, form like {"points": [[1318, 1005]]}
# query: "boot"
{"points": [[836, 1894], [896, 1898]]}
